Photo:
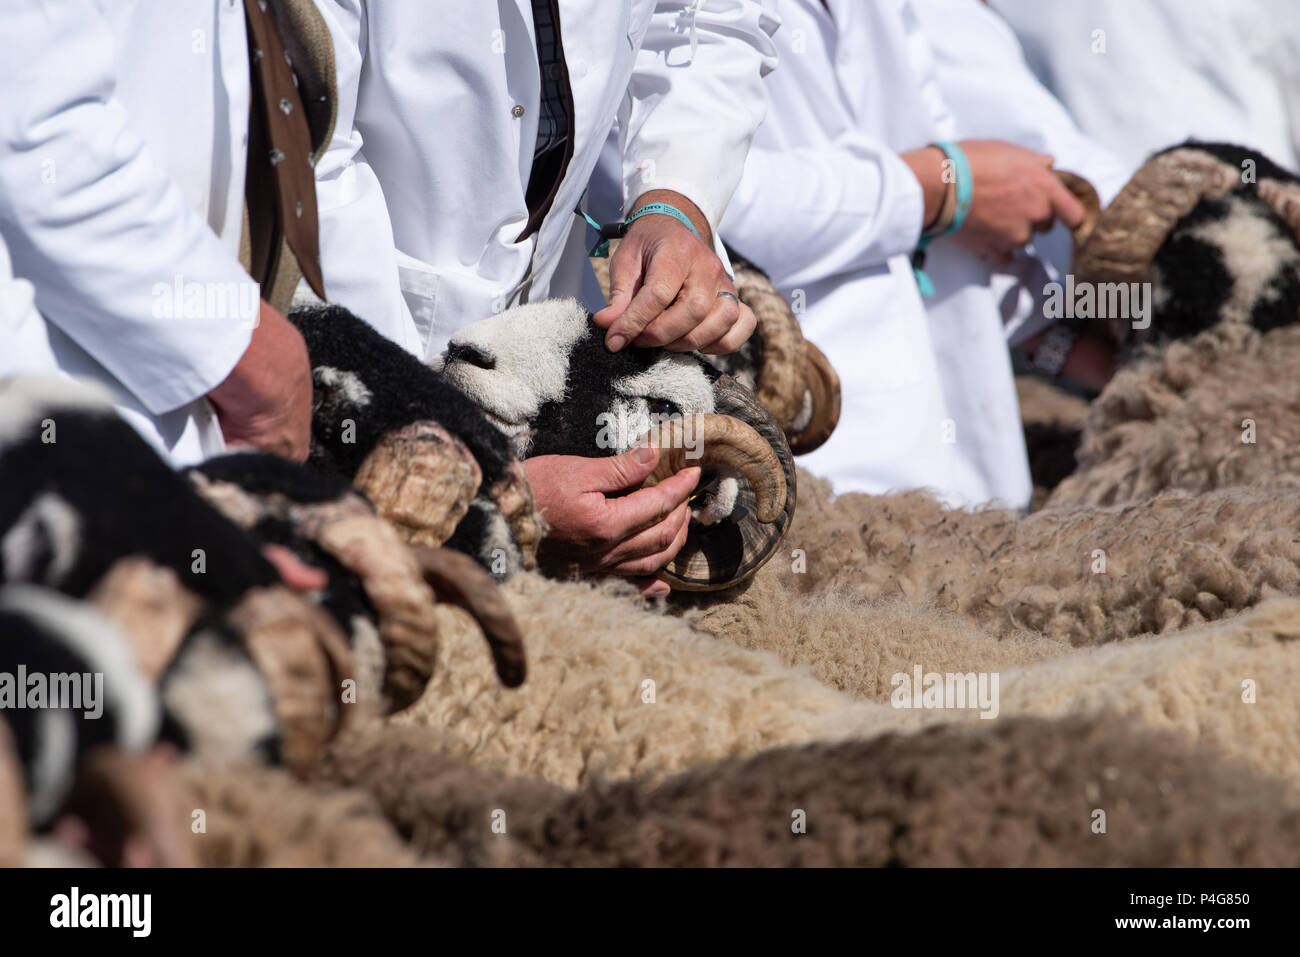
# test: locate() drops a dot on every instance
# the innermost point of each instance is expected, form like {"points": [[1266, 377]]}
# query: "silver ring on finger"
{"points": [[729, 295]]}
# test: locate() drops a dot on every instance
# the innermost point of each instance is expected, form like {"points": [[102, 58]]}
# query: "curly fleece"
{"points": [[1029, 795]]}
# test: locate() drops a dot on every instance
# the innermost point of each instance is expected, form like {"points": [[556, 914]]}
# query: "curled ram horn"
{"points": [[458, 579], [794, 379], [741, 440], [1130, 231], [304, 660], [422, 479], [345, 528], [791, 376]]}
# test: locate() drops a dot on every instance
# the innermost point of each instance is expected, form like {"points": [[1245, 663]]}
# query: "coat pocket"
{"points": [[419, 285]]}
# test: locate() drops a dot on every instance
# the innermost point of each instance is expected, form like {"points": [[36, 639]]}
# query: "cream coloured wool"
{"points": [[587, 709]]}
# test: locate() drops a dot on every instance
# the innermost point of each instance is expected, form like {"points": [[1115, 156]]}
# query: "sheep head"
{"points": [[1215, 230], [790, 375], [245, 666], [542, 375], [418, 448], [381, 589]]}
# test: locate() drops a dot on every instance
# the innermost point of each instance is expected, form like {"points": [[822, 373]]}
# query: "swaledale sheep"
{"points": [[87, 508], [421, 451], [1215, 229], [246, 668], [543, 376], [1030, 795], [788, 373]]}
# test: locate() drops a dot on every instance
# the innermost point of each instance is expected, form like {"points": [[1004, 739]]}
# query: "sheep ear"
{"points": [[458, 579]]}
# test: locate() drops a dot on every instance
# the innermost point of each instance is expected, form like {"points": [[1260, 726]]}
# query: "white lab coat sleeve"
{"points": [[358, 252], [995, 95], [806, 214], [695, 99], [93, 221]]}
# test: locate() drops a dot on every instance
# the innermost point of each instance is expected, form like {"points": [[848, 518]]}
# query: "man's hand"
{"points": [[1015, 194], [265, 402], [664, 286], [633, 535], [1090, 363]]}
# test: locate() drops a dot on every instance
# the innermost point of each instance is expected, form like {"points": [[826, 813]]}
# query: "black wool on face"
{"points": [[73, 506], [573, 425], [367, 387], [1193, 278], [344, 597], [1193, 273], [260, 474]]}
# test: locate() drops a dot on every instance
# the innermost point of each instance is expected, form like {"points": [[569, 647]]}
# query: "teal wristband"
{"points": [[965, 192], [664, 209], [616, 230]]}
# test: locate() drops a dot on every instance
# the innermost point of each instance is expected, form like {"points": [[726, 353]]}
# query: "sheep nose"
{"points": [[466, 352]]}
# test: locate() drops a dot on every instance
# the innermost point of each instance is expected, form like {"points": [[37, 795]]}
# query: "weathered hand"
{"points": [[633, 535], [1015, 194], [664, 286], [265, 402]]}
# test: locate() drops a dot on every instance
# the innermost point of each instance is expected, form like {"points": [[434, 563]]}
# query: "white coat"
{"points": [[422, 192], [122, 148], [830, 210], [23, 333], [1141, 75], [993, 94]]}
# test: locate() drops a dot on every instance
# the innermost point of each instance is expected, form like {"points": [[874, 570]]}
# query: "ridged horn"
{"points": [[1136, 224], [794, 379], [824, 402], [743, 437]]}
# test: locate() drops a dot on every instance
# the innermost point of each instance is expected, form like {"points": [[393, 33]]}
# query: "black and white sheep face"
{"points": [[543, 376], [91, 692], [1214, 229], [1231, 259]]}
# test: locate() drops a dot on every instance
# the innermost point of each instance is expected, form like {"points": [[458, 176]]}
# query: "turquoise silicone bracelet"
{"points": [[965, 192]]}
